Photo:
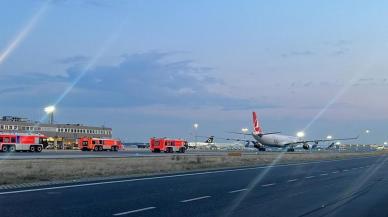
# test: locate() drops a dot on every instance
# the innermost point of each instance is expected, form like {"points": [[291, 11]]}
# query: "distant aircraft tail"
{"points": [[210, 139], [256, 124]]}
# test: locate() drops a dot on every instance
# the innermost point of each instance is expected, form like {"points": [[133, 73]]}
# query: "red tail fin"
{"points": [[256, 124]]}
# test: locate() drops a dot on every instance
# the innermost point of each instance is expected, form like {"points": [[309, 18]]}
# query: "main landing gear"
{"points": [[290, 150]]}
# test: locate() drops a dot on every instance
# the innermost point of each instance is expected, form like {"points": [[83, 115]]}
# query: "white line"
{"points": [[334, 172], [171, 176], [345, 170], [133, 211], [324, 174], [292, 180], [236, 191], [309, 177], [194, 199], [268, 185]]}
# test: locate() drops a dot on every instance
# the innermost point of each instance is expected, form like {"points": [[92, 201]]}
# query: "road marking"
{"points": [[194, 199], [268, 185], [236, 191], [134, 211], [335, 172], [324, 174], [309, 177], [292, 180], [345, 170], [172, 176]]}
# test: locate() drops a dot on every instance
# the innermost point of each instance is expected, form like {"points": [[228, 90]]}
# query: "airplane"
{"points": [[211, 144], [275, 139], [208, 143]]}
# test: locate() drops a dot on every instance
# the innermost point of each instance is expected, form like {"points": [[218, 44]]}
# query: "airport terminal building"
{"points": [[60, 136]]}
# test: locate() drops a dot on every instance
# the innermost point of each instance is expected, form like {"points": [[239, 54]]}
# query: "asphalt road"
{"points": [[64, 154], [55, 154], [353, 187], [61, 154]]}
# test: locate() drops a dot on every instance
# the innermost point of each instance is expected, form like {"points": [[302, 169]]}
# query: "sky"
{"points": [[154, 68]]}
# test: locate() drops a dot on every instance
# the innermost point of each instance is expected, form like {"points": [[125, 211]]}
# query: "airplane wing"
{"points": [[247, 142], [231, 139], [250, 134], [320, 140]]}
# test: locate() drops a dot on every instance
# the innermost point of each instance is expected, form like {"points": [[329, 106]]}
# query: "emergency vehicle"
{"points": [[11, 142], [99, 144], [168, 145]]}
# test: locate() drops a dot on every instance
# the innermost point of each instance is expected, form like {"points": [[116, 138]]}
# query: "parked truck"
{"points": [[13, 142], [166, 145], [99, 144]]}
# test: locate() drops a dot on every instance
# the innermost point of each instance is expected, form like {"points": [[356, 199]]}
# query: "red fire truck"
{"points": [[11, 142], [99, 144], [168, 145]]}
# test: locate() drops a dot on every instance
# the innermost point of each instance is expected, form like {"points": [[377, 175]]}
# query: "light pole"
{"points": [[244, 131], [300, 134], [50, 113], [195, 133]]}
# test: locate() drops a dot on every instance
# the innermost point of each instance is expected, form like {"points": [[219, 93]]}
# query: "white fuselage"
{"points": [[275, 140]]}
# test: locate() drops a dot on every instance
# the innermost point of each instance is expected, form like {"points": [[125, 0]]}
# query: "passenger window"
{"points": [[13, 140]]}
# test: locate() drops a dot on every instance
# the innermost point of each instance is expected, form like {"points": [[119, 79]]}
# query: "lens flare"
{"points": [[24, 32], [236, 202], [344, 89], [92, 62]]}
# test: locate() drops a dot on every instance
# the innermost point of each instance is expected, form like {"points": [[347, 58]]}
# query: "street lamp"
{"points": [[195, 132], [367, 131], [50, 112], [385, 143], [244, 131], [329, 137], [300, 134]]}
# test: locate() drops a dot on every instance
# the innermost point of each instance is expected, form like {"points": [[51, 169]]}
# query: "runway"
{"points": [[352, 187], [65, 154], [76, 154]]}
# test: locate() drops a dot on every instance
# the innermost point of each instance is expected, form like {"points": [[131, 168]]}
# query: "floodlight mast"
{"points": [[50, 113]]}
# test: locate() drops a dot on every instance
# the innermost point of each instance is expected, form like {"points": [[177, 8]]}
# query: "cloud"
{"points": [[94, 3], [73, 59], [141, 79], [375, 82], [338, 43], [340, 47], [298, 53], [11, 90]]}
